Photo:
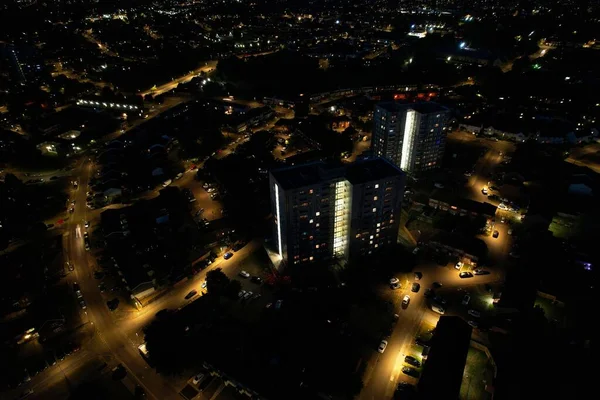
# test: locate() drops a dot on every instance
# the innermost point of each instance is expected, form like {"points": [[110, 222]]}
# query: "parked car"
{"points": [[418, 276], [466, 299], [410, 371], [244, 274], [465, 274], [256, 279], [394, 280], [228, 255], [458, 265], [496, 234], [412, 361], [436, 285], [481, 272], [191, 294], [474, 313], [382, 346], [473, 324], [395, 286], [197, 379], [415, 287], [406, 301]]}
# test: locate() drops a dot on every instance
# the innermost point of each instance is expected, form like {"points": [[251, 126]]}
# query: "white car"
{"points": [[473, 324], [244, 274], [197, 379], [241, 294], [382, 346], [458, 265], [203, 285], [502, 206], [466, 300], [474, 313], [406, 300], [248, 295], [394, 281]]}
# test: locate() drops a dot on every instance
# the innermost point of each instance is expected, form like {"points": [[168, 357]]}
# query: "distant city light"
{"points": [[462, 45]]}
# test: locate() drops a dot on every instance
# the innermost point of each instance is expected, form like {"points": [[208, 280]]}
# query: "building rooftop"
{"points": [[424, 107], [443, 372], [320, 171], [371, 169]]}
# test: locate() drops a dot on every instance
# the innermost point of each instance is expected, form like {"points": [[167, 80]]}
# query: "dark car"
{"points": [[410, 371], [412, 361], [496, 234], [421, 342], [465, 274], [481, 272], [119, 372], [436, 285], [418, 276], [228, 255], [191, 294], [415, 287], [113, 304], [429, 293], [256, 279]]}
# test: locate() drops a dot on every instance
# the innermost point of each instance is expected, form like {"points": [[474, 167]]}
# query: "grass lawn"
{"points": [[478, 372], [552, 311]]}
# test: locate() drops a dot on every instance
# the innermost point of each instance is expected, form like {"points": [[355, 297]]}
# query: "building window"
{"points": [[378, 224], [377, 186], [310, 191], [371, 237], [375, 198], [317, 224], [374, 209], [311, 221], [316, 246]]}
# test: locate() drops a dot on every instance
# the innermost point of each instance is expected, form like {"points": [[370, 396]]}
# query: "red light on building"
{"points": [[432, 94], [420, 95], [399, 96]]}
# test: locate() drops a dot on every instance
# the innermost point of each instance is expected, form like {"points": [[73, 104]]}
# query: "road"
{"points": [[120, 338], [158, 90], [115, 340]]}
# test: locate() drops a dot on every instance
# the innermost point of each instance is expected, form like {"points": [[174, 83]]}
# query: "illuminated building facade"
{"points": [[412, 136], [323, 211]]}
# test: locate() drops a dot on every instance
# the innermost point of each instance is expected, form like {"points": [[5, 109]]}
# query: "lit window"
{"points": [[374, 209], [371, 242], [378, 225], [376, 246], [377, 186], [317, 224], [371, 237], [311, 258], [311, 221], [378, 230], [316, 246], [317, 213], [375, 198], [310, 191], [358, 235]]}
